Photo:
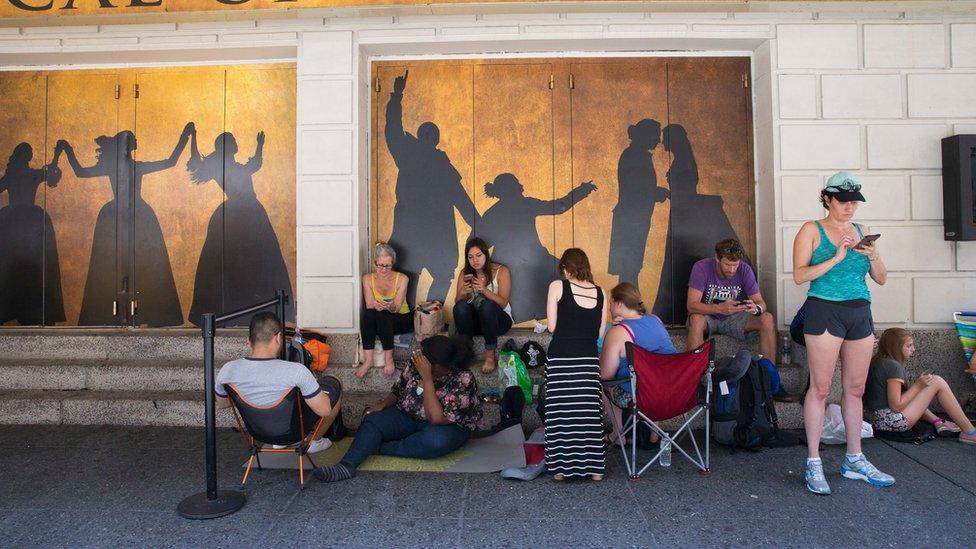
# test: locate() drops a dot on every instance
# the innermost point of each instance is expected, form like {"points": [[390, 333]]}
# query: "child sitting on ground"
{"points": [[893, 408]]}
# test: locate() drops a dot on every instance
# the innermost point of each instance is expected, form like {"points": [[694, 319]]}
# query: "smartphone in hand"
{"points": [[867, 240]]}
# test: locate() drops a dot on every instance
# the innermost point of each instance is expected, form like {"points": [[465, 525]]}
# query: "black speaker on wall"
{"points": [[959, 187]]}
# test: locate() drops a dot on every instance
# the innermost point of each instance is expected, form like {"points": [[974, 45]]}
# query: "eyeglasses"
{"points": [[383, 265], [845, 186]]}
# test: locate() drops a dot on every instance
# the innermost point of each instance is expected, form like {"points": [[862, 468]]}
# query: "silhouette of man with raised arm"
{"points": [[428, 189]]}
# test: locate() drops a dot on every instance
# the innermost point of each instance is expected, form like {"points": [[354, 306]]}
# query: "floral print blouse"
{"points": [[457, 393]]}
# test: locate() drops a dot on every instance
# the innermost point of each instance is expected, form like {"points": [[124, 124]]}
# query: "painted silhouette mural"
{"points": [[697, 222], [428, 189], [159, 303], [30, 273], [638, 193], [509, 225], [241, 262]]}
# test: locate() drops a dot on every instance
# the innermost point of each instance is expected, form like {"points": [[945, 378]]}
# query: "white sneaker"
{"points": [[319, 445], [281, 446], [529, 472]]}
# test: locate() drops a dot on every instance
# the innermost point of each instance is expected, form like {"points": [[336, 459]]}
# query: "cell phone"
{"points": [[868, 239]]}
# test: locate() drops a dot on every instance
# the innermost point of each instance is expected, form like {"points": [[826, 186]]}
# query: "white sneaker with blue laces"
{"points": [[816, 482], [862, 469]]}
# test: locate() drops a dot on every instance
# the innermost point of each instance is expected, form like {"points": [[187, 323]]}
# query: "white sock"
{"points": [[813, 460], [854, 457]]}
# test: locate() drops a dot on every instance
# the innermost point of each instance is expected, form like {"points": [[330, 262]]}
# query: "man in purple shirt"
{"points": [[724, 298]]}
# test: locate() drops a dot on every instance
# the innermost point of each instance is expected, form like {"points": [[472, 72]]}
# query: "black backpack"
{"points": [[745, 416]]}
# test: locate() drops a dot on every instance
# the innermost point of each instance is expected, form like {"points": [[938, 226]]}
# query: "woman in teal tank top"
{"points": [[838, 323]]}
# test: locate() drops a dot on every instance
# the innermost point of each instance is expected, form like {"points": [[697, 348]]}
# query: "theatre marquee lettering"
{"points": [[70, 5], [47, 8]]}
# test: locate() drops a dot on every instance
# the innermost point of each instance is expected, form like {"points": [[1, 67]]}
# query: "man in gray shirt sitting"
{"points": [[262, 378]]}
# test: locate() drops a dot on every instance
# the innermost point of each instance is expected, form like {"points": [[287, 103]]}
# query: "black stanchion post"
{"points": [[212, 503], [280, 310]]}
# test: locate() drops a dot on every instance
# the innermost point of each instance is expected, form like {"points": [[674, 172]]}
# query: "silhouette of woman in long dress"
{"points": [[30, 274], [159, 303], [638, 193], [697, 222], [509, 225], [428, 189], [241, 261]]}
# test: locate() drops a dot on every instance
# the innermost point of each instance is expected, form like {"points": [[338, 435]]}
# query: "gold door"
{"points": [[172, 209], [83, 111], [513, 140], [711, 177], [618, 108], [25, 269], [423, 180], [259, 213]]}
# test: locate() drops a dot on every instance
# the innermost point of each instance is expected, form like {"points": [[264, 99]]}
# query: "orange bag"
{"points": [[320, 352]]}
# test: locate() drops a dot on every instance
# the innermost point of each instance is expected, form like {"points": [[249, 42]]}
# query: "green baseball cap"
{"points": [[844, 186]]}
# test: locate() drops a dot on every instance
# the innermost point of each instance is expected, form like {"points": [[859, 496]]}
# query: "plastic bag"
{"points": [[833, 427], [512, 372]]}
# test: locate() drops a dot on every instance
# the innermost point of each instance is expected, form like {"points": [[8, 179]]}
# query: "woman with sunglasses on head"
{"points": [[386, 310], [832, 256]]}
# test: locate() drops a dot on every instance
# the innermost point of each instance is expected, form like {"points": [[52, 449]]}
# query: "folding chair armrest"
{"points": [[611, 383]]}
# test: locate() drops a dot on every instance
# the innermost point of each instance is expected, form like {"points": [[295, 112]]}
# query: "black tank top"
{"points": [[575, 322]]}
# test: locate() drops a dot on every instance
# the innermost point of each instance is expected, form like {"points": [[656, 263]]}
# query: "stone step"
{"points": [[142, 344], [187, 344], [187, 375], [153, 408], [186, 408]]}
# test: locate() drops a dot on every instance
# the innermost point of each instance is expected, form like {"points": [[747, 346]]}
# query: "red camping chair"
{"points": [[665, 386]]}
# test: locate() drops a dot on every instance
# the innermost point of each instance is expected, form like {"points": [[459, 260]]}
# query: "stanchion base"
{"points": [[199, 507]]}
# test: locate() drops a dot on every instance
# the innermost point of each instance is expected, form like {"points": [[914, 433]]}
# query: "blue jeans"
{"points": [[488, 320], [394, 433]]}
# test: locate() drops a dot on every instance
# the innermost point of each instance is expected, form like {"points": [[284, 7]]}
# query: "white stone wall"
{"points": [[876, 97], [870, 93]]}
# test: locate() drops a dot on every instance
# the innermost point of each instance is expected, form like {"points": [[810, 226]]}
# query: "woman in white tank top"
{"points": [[481, 304]]}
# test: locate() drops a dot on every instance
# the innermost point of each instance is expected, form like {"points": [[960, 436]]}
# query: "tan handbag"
{"points": [[428, 320]]}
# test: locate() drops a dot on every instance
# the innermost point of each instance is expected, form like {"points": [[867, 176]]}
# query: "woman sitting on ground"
{"points": [[632, 324], [387, 312], [431, 410], [893, 408], [481, 304]]}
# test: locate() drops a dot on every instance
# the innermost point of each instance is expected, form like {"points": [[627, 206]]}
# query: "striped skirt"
{"points": [[573, 416]]}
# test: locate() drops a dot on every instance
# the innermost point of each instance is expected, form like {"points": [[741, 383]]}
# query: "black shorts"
{"points": [[850, 320], [332, 386]]}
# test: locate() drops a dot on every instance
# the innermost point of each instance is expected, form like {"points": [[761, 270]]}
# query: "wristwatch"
{"points": [[759, 311]]}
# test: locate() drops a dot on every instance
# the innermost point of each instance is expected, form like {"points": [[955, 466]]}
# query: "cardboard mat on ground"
{"points": [[483, 455]]}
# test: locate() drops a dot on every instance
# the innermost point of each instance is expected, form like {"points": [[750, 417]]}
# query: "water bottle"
{"points": [[665, 453], [786, 350]]}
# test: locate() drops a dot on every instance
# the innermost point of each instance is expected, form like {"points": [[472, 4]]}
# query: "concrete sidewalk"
{"points": [[112, 486]]}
